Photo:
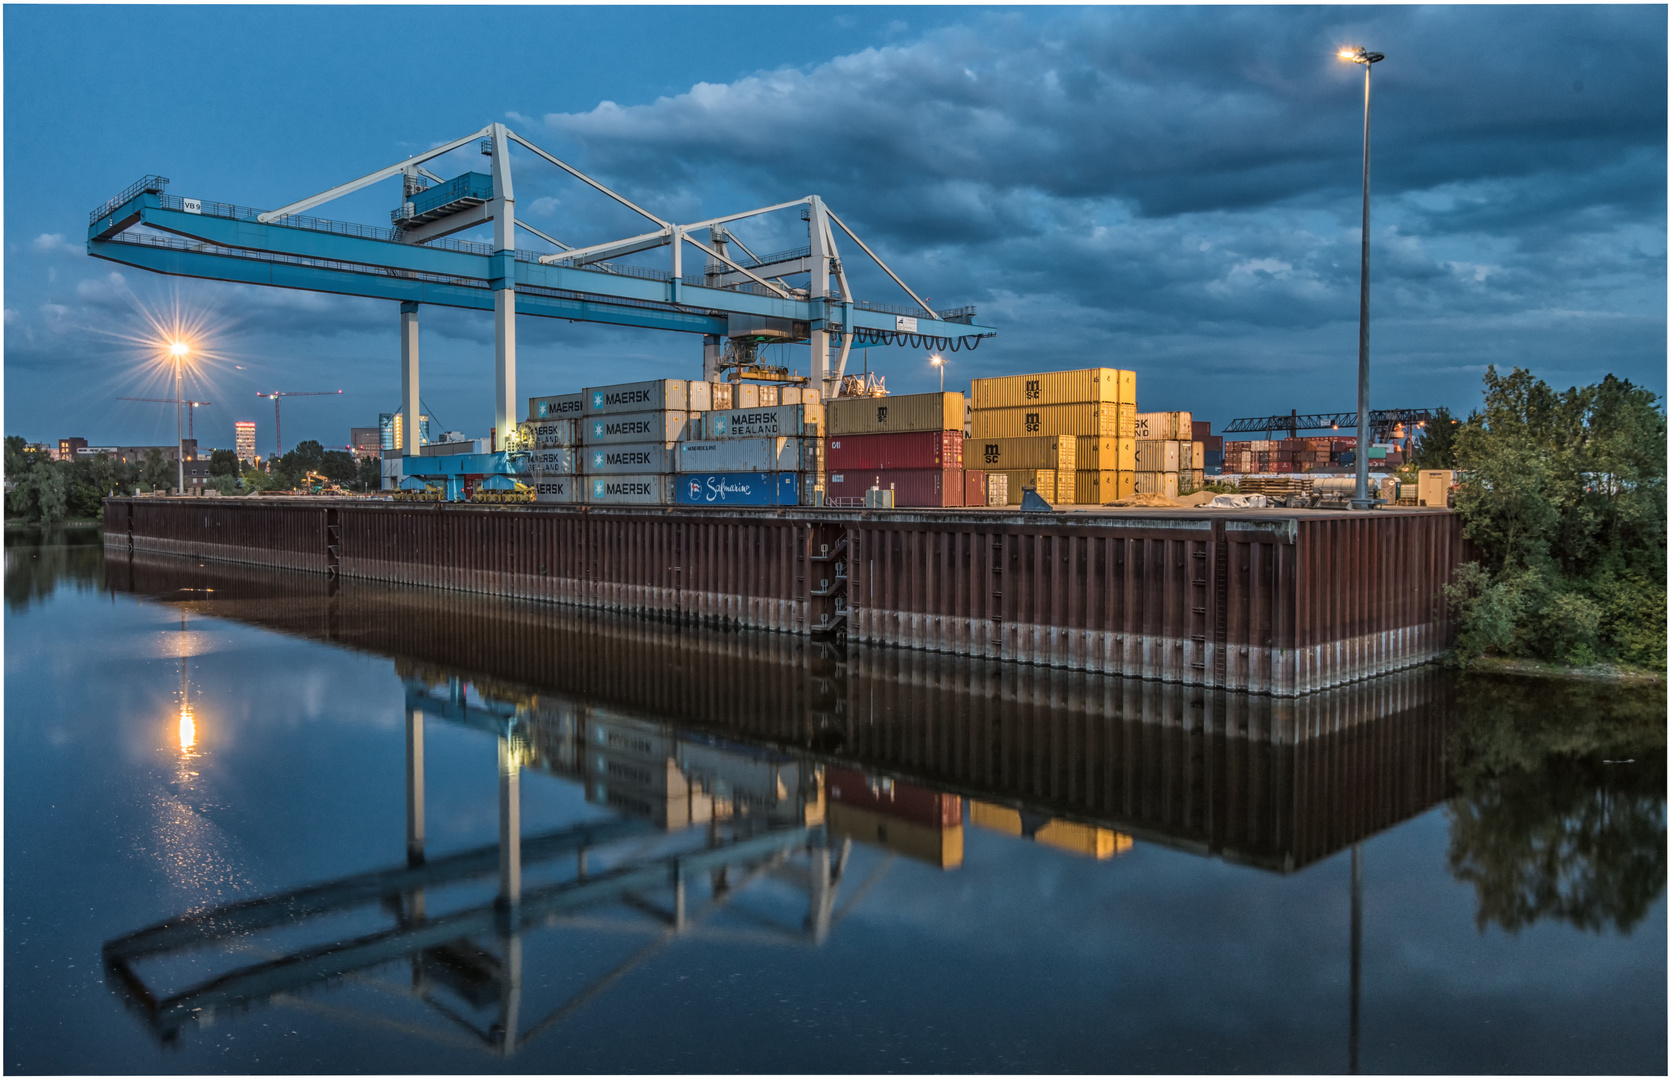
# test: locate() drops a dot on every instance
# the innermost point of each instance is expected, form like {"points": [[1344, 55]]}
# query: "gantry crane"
{"points": [[278, 432], [738, 296]]}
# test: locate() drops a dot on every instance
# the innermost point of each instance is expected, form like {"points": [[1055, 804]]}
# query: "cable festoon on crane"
{"points": [[278, 433]]}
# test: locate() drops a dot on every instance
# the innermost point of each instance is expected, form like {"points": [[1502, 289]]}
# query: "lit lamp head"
{"points": [[937, 360], [1357, 54], [179, 348]]}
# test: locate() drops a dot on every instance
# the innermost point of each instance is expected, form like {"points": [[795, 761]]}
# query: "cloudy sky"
{"points": [[1172, 190]]}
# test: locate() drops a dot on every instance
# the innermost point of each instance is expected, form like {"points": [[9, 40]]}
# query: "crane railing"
{"points": [[150, 182]]}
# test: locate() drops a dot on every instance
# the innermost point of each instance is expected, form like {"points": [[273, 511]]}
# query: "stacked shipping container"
{"points": [[911, 445], [1067, 434]]}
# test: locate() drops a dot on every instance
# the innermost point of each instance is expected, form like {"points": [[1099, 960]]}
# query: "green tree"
{"points": [[224, 463], [339, 465], [41, 494], [158, 472], [370, 477], [1436, 448]]}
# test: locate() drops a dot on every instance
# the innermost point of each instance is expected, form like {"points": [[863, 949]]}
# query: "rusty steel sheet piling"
{"points": [[1282, 602]]}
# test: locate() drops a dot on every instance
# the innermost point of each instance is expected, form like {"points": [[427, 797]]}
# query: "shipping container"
{"points": [[1066, 484], [750, 455], [1107, 385], [1158, 455], [785, 421], [629, 459], [974, 487], [1103, 486], [1100, 453], [997, 489], [911, 487], [1028, 452], [658, 395], [1016, 481], [722, 396], [660, 427], [1047, 420], [1157, 483], [745, 395], [769, 398], [556, 489], [798, 395], [699, 396], [896, 450], [552, 461], [1126, 426], [649, 490], [560, 407], [1173, 426], [739, 489], [1197, 455], [896, 798], [1200, 430], [903, 412], [552, 432]]}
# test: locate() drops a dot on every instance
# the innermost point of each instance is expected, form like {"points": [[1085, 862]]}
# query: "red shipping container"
{"points": [[974, 487], [911, 487], [895, 450], [908, 802], [1201, 430]]}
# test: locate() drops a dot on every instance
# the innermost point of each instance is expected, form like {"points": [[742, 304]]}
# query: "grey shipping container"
{"points": [[658, 394], [658, 427], [562, 406], [749, 455], [552, 432], [784, 421], [557, 489], [699, 396], [643, 490], [552, 461], [628, 459]]}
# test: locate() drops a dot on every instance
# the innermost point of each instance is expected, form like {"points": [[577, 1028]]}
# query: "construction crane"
{"points": [[1381, 422], [191, 414], [735, 300], [278, 434]]}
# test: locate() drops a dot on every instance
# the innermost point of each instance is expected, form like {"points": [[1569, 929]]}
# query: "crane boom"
{"points": [[191, 414], [278, 434]]}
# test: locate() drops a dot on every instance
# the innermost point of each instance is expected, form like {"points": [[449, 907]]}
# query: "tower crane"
{"points": [[191, 414], [278, 434]]}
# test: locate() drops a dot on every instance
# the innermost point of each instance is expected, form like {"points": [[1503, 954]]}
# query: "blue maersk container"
{"points": [[738, 489]]}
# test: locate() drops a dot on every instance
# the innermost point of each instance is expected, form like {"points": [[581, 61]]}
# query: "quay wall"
{"points": [[1274, 602]]}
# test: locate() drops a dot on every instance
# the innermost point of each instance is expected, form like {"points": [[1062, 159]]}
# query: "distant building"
{"points": [[246, 441], [197, 469], [365, 442], [67, 448]]}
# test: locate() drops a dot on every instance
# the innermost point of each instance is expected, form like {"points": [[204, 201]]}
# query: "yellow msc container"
{"points": [[1157, 483], [1095, 487], [1165, 425], [1158, 455], [1031, 452], [1041, 480], [1198, 455], [1099, 453], [1066, 484], [1105, 385], [904, 412], [1081, 419], [1128, 421]]}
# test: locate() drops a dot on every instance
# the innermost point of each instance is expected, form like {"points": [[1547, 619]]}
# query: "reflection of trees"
{"points": [[38, 561], [1542, 825]]}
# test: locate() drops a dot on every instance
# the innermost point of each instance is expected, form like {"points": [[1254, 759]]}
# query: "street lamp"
{"points": [[1356, 54], [179, 349], [940, 362]]}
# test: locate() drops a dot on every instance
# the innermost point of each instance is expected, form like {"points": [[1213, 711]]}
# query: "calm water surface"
{"points": [[254, 821]]}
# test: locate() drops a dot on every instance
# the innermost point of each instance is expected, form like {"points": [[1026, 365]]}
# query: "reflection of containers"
{"points": [[1028, 452], [903, 817], [1063, 835], [658, 395], [911, 487], [1056, 388], [629, 490], [657, 427], [905, 412], [1099, 419], [896, 450]]}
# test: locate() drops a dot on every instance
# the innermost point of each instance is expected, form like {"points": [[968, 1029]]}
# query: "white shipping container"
{"points": [[1164, 425], [557, 489], [745, 395], [628, 459], [722, 395], [657, 395], [1157, 455], [659, 427], [629, 490], [749, 455], [785, 421], [769, 397], [1158, 483], [559, 407], [699, 395], [997, 489], [552, 461], [552, 432]]}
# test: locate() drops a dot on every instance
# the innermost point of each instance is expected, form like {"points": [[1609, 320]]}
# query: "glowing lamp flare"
{"points": [[179, 348], [188, 731]]}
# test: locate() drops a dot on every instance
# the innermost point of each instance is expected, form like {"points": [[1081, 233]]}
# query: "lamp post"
{"points": [[1360, 497], [940, 362], [179, 350]]}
